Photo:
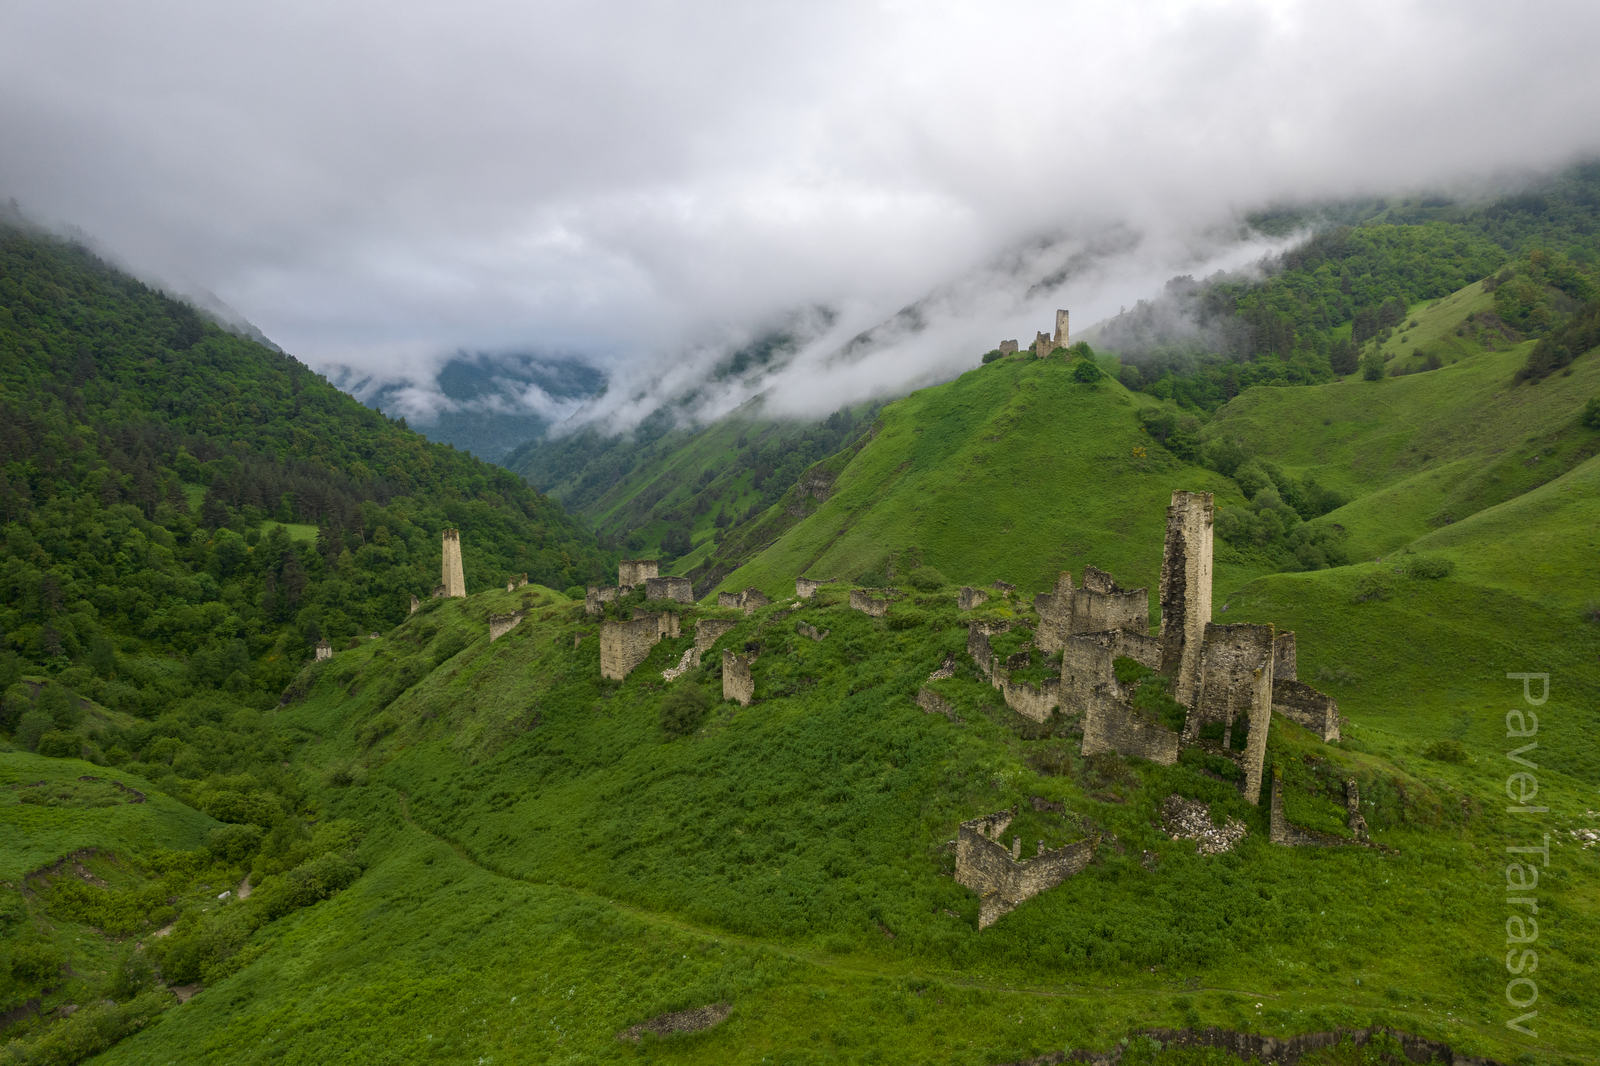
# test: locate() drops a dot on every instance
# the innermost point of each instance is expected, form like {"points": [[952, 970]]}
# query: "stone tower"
{"points": [[1186, 589], [455, 584], [1061, 329]]}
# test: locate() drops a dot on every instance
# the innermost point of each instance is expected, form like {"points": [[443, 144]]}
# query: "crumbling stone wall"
{"points": [[1043, 344], [679, 589], [978, 634], [752, 598], [596, 598], [632, 572], [737, 682], [501, 624], [624, 645], [324, 651], [1109, 724], [970, 598], [1098, 606], [1087, 669], [1234, 688], [707, 631], [1283, 665], [805, 587], [806, 629], [995, 873], [862, 600], [1299, 702], [1284, 832], [515, 582], [730, 599], [1186, 589], [451, 577], [933, 703], [416, 605], [1125, 644], [438, 592], [1029, 700]]}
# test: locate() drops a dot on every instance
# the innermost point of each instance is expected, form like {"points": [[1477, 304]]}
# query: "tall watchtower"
{"points": [[451, 577], [1061, 329], [1186, 589]]}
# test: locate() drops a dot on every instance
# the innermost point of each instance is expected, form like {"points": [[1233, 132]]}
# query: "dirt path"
{"points": [[839, 964]]}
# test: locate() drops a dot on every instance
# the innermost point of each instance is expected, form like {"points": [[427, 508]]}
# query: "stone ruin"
{"points": [[501, 624], [969, 599], [631, 572], [737, 682], [624, 645], [516, 582], [1007, 347], [864, 601], [416, 605], [707, 631], [324, 650], [1286, 833], [805, 587], [595, 598], [451, 579], [746, 601], [1000, 876], [677, 589], [1043, 343]]}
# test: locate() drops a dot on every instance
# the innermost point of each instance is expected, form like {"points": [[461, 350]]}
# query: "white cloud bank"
{"points": [[382, 185]]}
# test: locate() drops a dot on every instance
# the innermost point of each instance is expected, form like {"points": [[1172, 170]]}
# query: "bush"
{"points": [[683, 709], [1445, 751], [1430, 567], [234, 843], [577, 592], [134, 974], [1373, 586], [34, 724], [927, 579], [61, 704], [35, 964], [1591, 413], [1372, 366], [989, 357], [1086, 372], [449, 646], [59, 745]]}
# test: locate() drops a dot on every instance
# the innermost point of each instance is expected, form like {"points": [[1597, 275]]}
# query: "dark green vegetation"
{"points": [[463, 850]]}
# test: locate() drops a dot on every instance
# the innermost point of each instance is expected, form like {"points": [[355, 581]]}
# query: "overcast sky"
{"points": [[381, 184]]}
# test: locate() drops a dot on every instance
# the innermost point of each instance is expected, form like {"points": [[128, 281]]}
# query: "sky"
{"points": [[644, 186]]}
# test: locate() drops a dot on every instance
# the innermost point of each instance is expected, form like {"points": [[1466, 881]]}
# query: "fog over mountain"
{"points": [[650, 190]]}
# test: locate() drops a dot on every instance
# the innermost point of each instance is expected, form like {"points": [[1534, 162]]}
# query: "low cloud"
{"points": [[380, 187]]}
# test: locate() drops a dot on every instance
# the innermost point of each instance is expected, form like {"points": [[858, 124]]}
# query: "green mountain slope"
{"points": [[1014, 471]]}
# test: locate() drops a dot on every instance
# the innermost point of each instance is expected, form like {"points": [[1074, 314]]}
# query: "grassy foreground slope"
{"points": [[546, 867], [1013, 471]]}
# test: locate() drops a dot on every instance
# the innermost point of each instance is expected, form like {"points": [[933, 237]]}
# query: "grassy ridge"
{"points": [[1013, 471]]}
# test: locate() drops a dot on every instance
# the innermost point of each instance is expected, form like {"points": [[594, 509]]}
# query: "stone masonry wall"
{"points": [[706, 633], [805, 588], [501, 624], [1055, 615], [751, 598], [1006, 347], [863, 600], [1299, 702], [455, 584], [1043, 345], [416, 605], [978, 634], [1186, 588], [1061, 330], [1112, 725], [1030, 701], [324, 650], [933, 703], [1125, 644], [596, 597], [1234, 687], [515, 582], [969, 598], [1086, 669], [993, 871], [624, 645], [1283, 666], [680, 589], [737, 682], [728, 599], [636, 571]]}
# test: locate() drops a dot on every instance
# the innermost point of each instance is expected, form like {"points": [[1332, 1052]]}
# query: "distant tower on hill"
{"points": [[455, 584], [1061, 329]]}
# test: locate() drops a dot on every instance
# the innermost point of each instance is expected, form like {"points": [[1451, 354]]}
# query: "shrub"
{"points": [[683, 709], [576, 592], [1085, 371], [927, 579], [1591, 413], [905, 620], [449, 646], [1430, 567], [34, 724], [1373, 586], [1372, 365], [1445, 751], [134, 974], [59, 745], [234, 843], [35, 964], [61, 704], [991, 356]]}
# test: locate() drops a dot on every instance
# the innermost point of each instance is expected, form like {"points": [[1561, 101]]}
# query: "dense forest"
{"points": [[187, 511]]}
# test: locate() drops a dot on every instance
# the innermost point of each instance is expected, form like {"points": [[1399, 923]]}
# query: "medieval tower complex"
{"points": [[451, 578]]}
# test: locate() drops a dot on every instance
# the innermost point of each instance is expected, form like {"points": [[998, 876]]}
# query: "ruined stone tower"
{"points": [[1186, 589], [1061, 329], [451, 578]]}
